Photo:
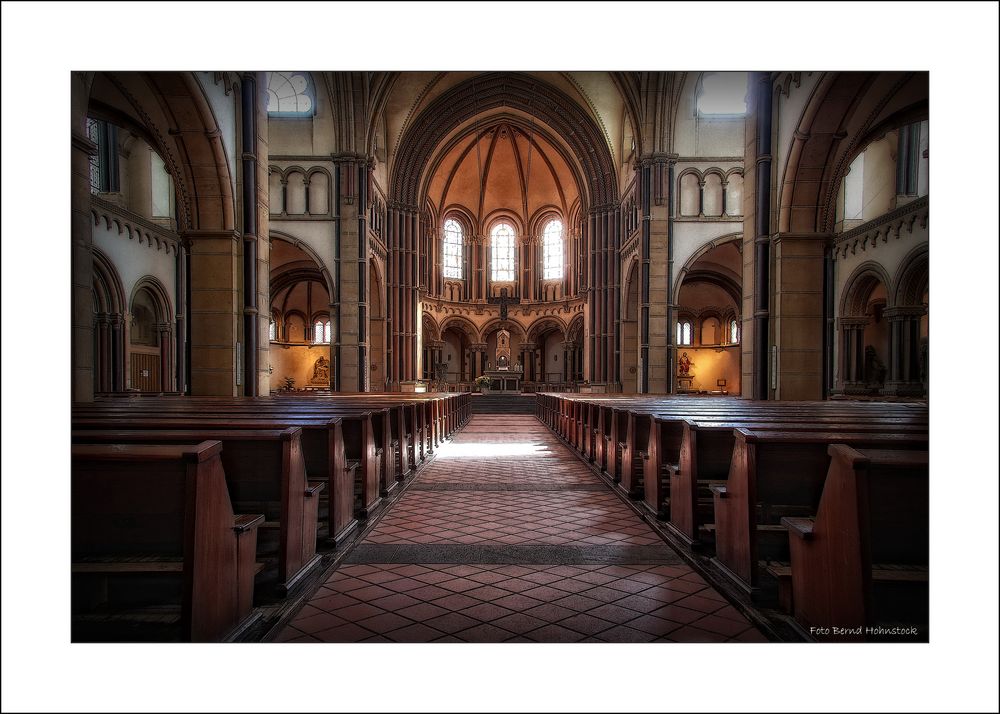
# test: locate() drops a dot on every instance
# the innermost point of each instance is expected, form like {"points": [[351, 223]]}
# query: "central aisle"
{"points": [[507, 537]]}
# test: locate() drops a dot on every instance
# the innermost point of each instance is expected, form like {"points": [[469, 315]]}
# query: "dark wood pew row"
{"points": [[686, 456], [362, 434], [265, 471], [358, 420], [158, 553], [322, 445], [612, 431], [862, 561], [773, 475]]}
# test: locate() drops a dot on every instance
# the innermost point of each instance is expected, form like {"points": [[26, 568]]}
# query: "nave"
{"points": [[506, 536]]}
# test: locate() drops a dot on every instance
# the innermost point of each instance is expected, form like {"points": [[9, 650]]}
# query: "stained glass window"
{"points": [[503, 249], [453, 239], [734, 332], [272, 330], [723, 93], [290, 94], [553, 250]]}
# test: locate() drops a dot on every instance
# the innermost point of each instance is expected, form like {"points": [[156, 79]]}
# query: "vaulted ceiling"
{"points": [[503, 168]]}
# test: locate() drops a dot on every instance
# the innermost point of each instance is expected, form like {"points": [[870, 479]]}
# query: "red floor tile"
{"points": [[497, 602]]}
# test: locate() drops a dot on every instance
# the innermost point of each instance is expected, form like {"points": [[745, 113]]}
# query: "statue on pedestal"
{"points": [[684, 365]]}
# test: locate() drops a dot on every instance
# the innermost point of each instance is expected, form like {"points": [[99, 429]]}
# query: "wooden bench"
{"points": [[265, 471], [691, 455], [773, 475], [862, 561], [154, 534], [322, 446]]}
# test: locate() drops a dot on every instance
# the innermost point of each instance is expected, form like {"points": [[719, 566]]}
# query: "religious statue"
{"points": [[684, 365], [503, 303], [321, 370]]}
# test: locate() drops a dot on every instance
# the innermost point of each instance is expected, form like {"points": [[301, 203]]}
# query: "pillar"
{"points": [[761, 91], [852, 371], [166, 383], [250, 237], [82, 236], [904, 352]]}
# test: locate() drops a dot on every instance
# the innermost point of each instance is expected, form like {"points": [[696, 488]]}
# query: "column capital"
{"points": [[904, 313]]}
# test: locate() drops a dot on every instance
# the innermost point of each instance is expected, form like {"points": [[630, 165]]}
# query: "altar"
{"points": [[504, 380], [506, 377]]}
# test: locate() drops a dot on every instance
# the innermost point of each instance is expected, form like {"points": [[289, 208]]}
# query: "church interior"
{"points": [[507, 355]]}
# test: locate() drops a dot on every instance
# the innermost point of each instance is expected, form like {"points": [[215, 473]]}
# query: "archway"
{"points": [[109, 326], [528, 112], [459, 351], [549, 358], [300, 354], [171, 112], [864, 332], [908, 327], [708, 298], [150, 341]]}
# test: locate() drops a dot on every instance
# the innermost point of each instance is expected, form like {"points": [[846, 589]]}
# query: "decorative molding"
{"points": [[135, 226], [868, 235]]}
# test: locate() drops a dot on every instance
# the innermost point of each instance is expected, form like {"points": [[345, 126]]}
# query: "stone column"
{"points": [[82, 263], [117, 353], [216, 311], [102, 366], [180, 318], [757, 223], [163, 329], [796, 316], [904, 352], [852, 369], [250, 272]]}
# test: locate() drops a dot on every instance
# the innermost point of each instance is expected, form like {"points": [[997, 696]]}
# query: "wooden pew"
{"points": [[154, 533], [772, 475], [862, 562], [693, 454], [265, 471], [322, 446]]}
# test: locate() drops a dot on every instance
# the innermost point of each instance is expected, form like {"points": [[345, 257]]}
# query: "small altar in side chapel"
{"points": [[505, 377]]}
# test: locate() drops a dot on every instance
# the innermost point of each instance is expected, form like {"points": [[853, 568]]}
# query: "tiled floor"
{"points": [[507, 537]]}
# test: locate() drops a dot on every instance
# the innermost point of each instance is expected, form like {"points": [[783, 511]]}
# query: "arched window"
{"points": [[684, 332], [290, 94], [272, 330], [321, 332], [453, 239], [723, 93], [734, 332], [553, 250], [503, 251]]}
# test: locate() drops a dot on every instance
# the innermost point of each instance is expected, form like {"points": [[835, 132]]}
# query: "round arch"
{"points": [[501, 91], [462, 324], [859, 287], [321, 268], [844, 111], [730, 283]]}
